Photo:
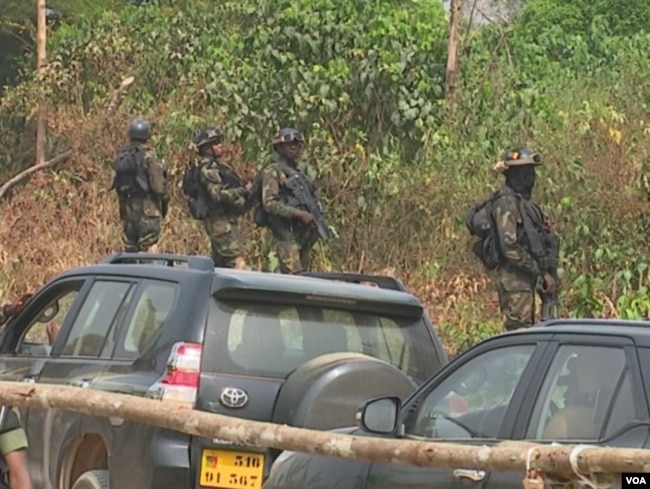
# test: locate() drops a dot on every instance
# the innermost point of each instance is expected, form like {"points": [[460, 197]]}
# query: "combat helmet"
{"points": [[517, 157], [208, 136], [286, 135], [139, 130]]}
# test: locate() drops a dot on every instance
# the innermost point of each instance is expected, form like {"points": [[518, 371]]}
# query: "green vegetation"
{"points": [[399, 166]]}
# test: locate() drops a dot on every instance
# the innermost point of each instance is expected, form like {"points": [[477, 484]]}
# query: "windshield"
{"points": [[273, 340]]}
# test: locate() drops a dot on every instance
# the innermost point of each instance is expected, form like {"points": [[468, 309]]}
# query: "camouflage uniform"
{"points": [[12, 433], [226, 204], [294, 240], [516, 276], [519, 271], [141, 212]]}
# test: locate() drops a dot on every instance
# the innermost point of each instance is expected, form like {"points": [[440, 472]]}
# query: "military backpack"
{"points": [[129, 175], [480, 224]]}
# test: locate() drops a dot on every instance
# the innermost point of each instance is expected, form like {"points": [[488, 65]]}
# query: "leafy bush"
{"points": [[398, 166]]}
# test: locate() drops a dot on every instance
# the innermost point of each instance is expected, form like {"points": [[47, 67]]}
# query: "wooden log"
{"points": [[507, 456]]}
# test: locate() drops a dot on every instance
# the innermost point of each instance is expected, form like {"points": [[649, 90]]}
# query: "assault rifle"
{"points": [[305, 199], [229, 176], [550, 301]]}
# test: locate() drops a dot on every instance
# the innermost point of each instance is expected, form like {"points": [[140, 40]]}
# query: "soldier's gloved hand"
{"points": [[304, 217], [549, 284]]}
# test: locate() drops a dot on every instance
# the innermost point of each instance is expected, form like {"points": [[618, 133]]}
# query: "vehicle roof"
{"points": [[637, 328], [230, 279]]}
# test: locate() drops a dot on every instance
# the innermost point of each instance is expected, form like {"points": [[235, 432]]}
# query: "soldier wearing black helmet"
{"points": [[220, 197], [528, 247], [141, 185], [290, 226]]}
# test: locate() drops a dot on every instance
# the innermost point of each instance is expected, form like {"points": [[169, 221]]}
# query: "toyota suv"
{"points": [[297, 350]]}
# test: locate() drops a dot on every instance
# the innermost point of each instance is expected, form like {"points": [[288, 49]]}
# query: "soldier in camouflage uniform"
{"points": [[519, 271], [13, 448], [227, 199], [13, 439], [144, 199], [290, 226]]}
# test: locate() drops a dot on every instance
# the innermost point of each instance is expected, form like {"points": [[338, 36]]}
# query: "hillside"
{"points": [[399, 167]]}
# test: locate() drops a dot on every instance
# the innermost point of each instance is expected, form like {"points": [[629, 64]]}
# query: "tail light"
{"points": [[180, 381]]}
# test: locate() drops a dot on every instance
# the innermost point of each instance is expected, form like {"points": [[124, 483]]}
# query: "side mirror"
{"points": [[379, 415]]}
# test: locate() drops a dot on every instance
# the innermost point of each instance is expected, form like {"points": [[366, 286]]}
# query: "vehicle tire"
{"points": [[93, 479], [326, 392]]}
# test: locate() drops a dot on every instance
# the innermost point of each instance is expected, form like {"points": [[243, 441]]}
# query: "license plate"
{"points": [[228, 469]]}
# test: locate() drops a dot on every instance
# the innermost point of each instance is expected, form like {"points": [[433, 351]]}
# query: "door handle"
{"points": [[471, 474]]}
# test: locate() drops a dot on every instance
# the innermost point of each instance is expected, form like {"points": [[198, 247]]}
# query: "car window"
{"points": [[42, 331], [152, 309], [578, 391], [624, 408], [273, 340], [471, 402], [96, 317]]}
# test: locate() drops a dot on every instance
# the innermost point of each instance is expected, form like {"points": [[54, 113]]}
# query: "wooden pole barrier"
{"points": [[507, 456]]}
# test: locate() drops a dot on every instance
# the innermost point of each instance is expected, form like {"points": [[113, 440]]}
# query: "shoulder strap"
{"points": [[290, 172], [535, 240]]}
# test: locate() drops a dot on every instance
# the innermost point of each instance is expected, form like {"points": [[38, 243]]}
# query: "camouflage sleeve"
{"points": [[271, 199], [217, 190], [156, 174], [507, 218]]}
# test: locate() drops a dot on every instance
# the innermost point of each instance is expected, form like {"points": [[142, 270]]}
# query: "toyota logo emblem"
{"points": [[233, 397]]}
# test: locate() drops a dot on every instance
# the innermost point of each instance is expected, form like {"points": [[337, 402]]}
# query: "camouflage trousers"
{"points": [[225, 240], [141, 223], [294, 251], [517, 291]]}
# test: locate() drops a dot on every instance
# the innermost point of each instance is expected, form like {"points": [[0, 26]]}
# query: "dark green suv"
{"points": [[300, 350]]}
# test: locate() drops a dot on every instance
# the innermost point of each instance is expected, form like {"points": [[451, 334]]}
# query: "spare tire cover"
{"points": [[326, 392]]}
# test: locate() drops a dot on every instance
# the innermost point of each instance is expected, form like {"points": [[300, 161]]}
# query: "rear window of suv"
{"points": [[273, 340]]}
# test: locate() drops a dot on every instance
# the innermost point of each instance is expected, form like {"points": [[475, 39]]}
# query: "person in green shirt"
{"points": [[13, 439]]}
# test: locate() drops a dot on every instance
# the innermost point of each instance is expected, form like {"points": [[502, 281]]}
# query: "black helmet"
{"points": [[208, 136], [139, 130], [286, 135], [520, 156]]}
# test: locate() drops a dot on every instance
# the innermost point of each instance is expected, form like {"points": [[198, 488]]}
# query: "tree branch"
{"points": [[112, 106], [33, 169]]}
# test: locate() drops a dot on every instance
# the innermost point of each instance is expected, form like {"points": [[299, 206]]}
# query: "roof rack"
{"points": [[382, 281], [194, 262]]}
